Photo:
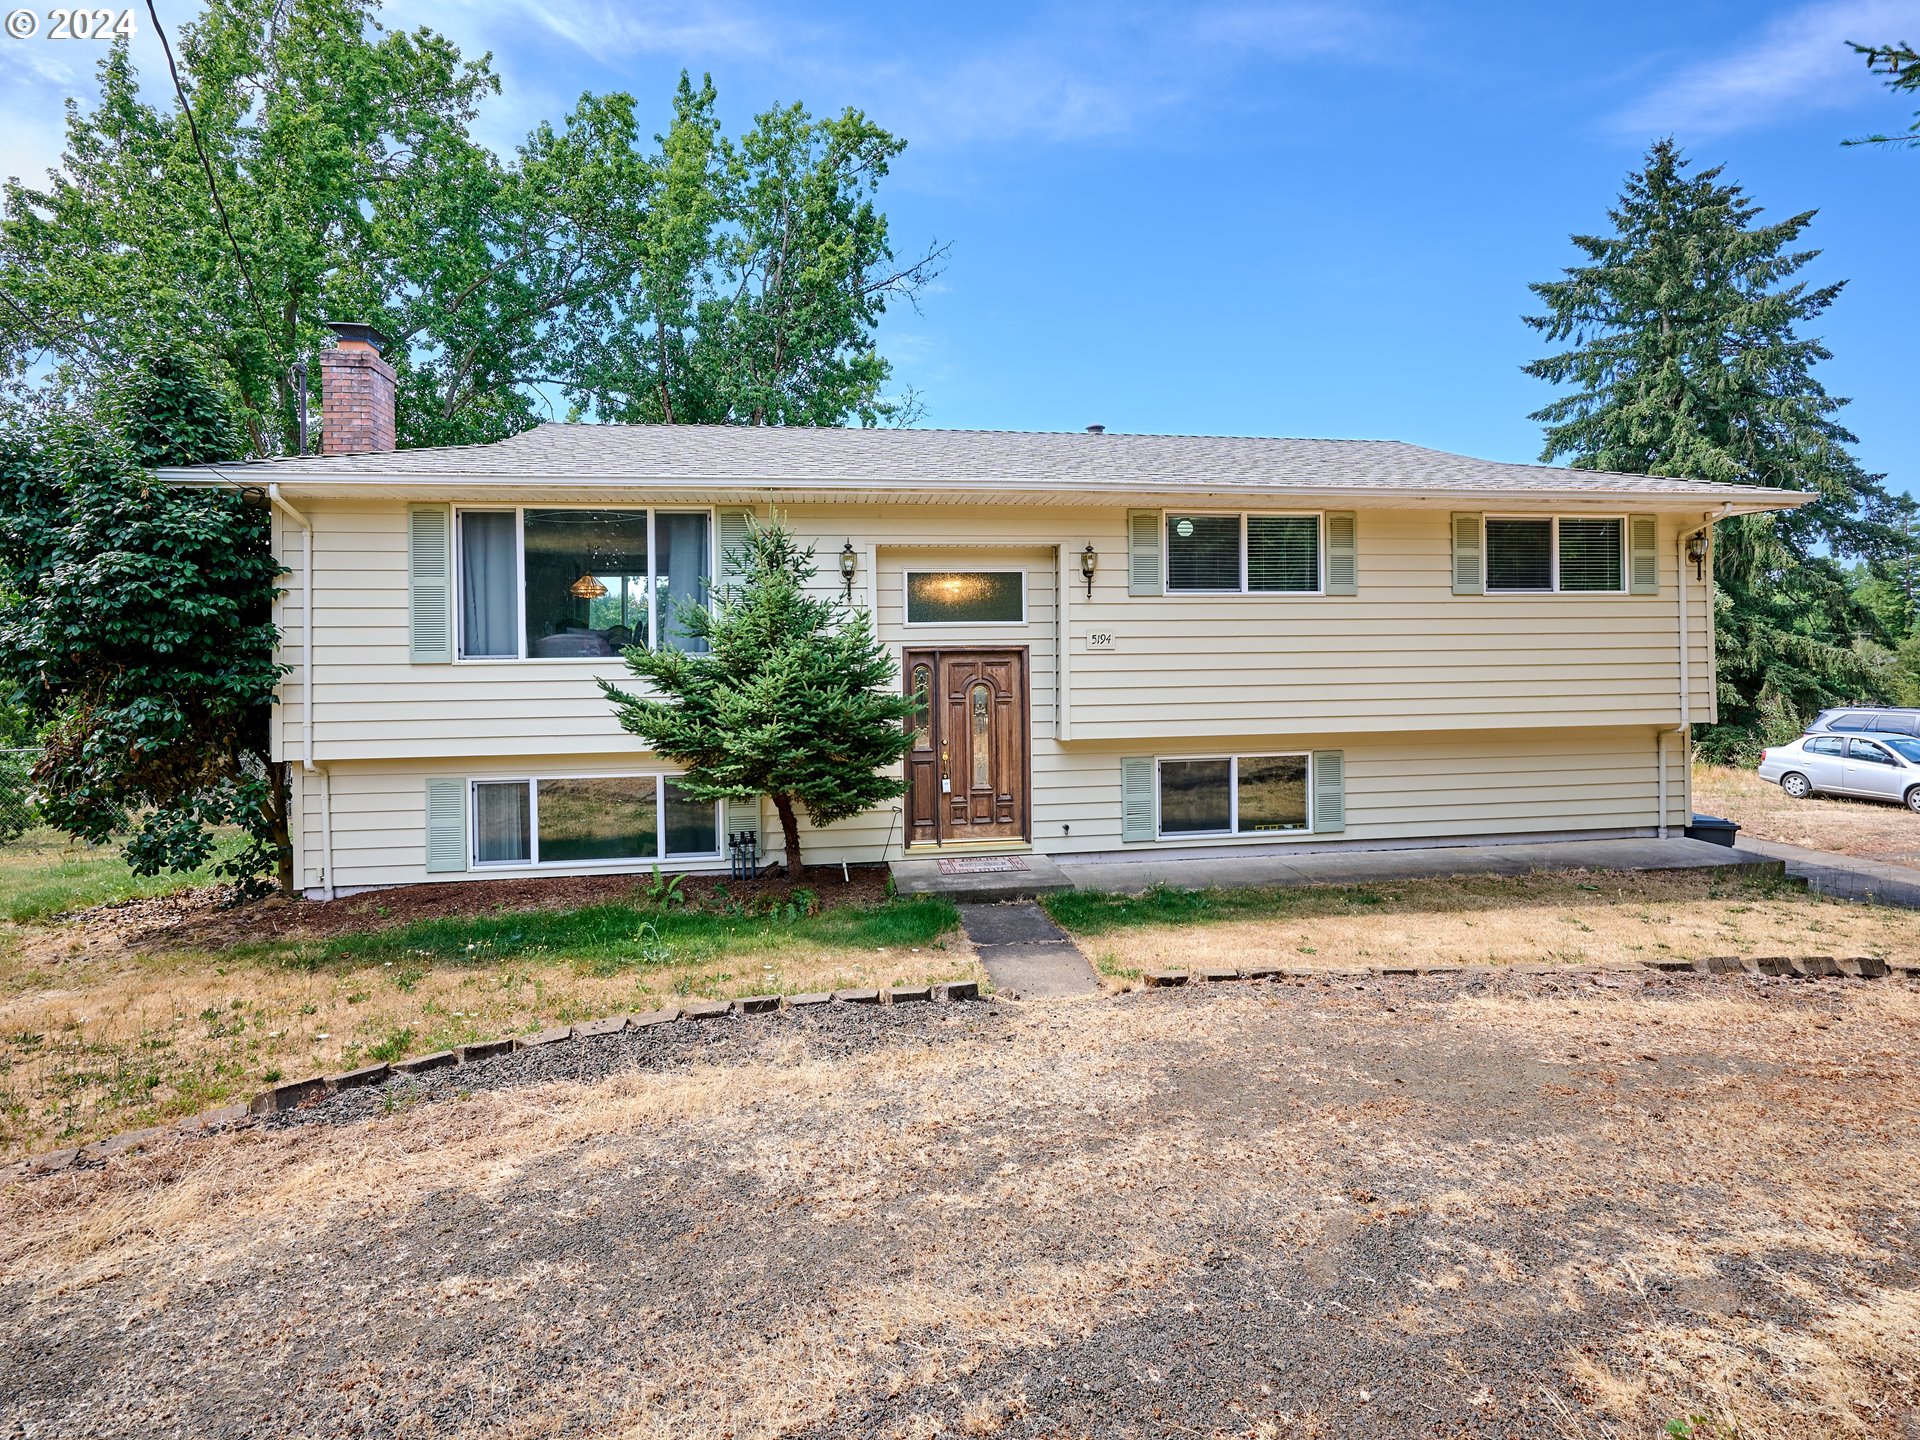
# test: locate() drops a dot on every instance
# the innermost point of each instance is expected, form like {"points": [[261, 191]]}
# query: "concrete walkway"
{"points": [[1844, 877], [986, 878], [1129, 874], [1028, 956]]}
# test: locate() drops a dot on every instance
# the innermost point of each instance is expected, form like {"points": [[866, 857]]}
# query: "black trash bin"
{"points": [[1714, 829]]}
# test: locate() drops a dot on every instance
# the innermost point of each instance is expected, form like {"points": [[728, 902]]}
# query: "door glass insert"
{"points": [[981, 702], [923, 706]]}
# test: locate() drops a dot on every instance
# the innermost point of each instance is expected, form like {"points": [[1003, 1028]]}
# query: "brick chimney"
{"points": [[356, 393]]}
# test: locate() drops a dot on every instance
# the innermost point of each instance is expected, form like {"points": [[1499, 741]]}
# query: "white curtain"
{"points": [[489, 580], [682, 565]]}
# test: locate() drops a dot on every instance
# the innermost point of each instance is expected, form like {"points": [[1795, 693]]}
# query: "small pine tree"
{"points": [[1685, 358], [793, 696]]}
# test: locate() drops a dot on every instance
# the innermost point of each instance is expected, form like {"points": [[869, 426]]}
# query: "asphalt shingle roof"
{"points": [[824, 457]]}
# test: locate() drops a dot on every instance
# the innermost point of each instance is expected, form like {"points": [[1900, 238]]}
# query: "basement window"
{"points": [[592, 819], [1234, 795]]}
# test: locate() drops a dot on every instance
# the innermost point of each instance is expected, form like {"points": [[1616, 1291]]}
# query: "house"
{"points": [[1131, 642]]}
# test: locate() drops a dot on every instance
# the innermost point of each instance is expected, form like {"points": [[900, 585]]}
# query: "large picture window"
{"points": [[1542, 554], [1243, 554], [549, 584], [574, 820], [1234, 795]]}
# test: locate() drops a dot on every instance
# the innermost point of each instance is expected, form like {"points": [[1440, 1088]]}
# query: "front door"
{"points": [[967, 771]]}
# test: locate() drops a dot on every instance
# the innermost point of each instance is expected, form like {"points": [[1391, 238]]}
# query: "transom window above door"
{"points": [[1211, 554], [548, 584], [966, 597]]}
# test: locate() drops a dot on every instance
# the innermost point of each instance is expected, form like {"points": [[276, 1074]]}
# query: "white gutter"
{"points": [[306, 685], [1685, 727]]}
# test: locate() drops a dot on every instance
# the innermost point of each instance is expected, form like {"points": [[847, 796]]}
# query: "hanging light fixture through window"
{"points": [[588, 586]]}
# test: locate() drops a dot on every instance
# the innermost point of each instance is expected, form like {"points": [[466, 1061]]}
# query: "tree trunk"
{"points": [[279, 805], [790, 832]]}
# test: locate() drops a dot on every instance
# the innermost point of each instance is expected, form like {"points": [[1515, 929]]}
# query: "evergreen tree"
{"points": [[1685, 357], [1899, 63], [792, 697], [136, 628]]}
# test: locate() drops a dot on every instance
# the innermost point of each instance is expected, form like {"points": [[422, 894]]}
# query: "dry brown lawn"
{"points": [[1562, 919], [1517, 1206], [1888, 833], [99, 1044]]}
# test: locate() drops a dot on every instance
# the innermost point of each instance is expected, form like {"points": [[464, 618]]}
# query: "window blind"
{"points": [[1203, 552], [1283, 552], [1590, 557], [1519, 554]]}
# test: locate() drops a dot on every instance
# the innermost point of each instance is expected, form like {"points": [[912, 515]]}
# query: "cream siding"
{"points": [[1499, 785], [1404, 653], [1460, 715]]}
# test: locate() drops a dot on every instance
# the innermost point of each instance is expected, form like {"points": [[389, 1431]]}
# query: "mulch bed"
{"points": [[207, 918]]}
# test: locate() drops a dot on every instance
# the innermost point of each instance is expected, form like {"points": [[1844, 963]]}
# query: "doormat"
{"points": [[981, 864]]}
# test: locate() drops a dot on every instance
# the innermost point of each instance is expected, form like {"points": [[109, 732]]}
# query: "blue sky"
{"points": [[1243, 218]]}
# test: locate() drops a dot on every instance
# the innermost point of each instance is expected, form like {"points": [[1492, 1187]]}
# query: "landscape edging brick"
{"points": [[293, 1093]]}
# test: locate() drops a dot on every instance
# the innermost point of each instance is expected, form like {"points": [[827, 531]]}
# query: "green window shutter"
{"points": [[446, 826], [1643, 541], [733, 542], [1469, 567], [744, 815], [430, 584], [1329, 791], [1143, 554], [1136, 795], [1343, 553]]}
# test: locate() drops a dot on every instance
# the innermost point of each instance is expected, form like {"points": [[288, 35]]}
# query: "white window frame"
{"points": [[906, 600], [1233, 830], [1319, 517], [1626, 556], [519, 513], [532, 782]]}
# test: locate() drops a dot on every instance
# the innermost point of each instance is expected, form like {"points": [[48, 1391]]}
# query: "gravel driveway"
{"points": [[1495, 1205]]}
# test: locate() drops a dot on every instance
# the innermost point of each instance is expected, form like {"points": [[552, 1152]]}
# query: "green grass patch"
{"points": [[1087, 912], [1090, 913], [606, 939], [43, 874]]}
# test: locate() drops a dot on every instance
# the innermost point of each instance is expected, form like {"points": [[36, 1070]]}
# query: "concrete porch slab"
{"points": [[1197, 870], [1038, 876]]}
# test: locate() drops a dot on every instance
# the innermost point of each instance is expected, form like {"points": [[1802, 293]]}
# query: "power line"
{"points": [[206, 165]]}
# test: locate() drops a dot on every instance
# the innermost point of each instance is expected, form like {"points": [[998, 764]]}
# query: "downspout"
{"points": [[306, 685], [1685, 728]]}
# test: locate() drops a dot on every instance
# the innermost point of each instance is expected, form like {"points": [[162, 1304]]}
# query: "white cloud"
{"points": [[1799, 61], [1087, 73], [601, 29]]}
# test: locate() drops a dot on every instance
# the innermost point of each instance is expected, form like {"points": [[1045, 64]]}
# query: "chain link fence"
{"points": [[18, 812]]}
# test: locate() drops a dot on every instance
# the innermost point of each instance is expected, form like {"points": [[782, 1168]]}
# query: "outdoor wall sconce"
{"points": [[1697, 552], [849, 562], [1089, 561]]}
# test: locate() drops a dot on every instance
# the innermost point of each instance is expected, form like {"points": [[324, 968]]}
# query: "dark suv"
{"points": [[1856, 719]]}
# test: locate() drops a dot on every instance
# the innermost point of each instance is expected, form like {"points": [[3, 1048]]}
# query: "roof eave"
{"points": [[324, 485]]}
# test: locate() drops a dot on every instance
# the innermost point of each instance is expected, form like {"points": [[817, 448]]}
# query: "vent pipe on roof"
{"points": [[1096, 429]]}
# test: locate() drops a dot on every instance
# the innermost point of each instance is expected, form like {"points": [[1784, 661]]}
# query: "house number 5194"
{"points": [[1099, 640]]}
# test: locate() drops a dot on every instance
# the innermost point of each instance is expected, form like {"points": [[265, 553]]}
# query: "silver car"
{"points": [[1885, 767]]}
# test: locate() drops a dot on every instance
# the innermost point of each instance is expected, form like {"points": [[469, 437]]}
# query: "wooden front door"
{"points": [[968, 766]]}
